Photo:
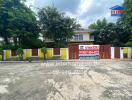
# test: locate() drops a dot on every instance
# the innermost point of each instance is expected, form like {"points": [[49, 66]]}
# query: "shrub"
{"points": [[44, 51], [2, 53], [129, 44], [29, 59], [20, 53]]}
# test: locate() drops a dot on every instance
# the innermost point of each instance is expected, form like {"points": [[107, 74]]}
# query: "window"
{"points": [[91, 37], [13, 53], [56, 51], [34, 52], [78, 37]]}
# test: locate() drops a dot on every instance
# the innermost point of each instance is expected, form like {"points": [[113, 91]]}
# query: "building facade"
{"points": [[81, 37]]}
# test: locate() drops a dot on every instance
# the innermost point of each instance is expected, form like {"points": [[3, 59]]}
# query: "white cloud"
{"points": [[70, 14], [30, 3], [85, 11], [84, 6]]}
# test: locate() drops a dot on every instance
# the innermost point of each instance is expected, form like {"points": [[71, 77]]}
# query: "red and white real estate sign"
{"points": [[88, 50]]}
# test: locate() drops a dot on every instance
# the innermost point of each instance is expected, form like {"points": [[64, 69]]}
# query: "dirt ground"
{"points": [[91, 80]]}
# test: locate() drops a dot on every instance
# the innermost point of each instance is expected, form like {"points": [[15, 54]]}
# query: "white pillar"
{"points": [[24, 55], [129, 53], [112, 52], [38, 53], [67, 55], [121, 53], [52, 51]]}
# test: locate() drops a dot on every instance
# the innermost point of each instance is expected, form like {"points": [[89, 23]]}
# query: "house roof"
{"points": [[117, 8], [84, 30]]}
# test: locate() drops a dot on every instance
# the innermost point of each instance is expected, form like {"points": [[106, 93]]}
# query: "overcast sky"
{"points": [[85, 11]]}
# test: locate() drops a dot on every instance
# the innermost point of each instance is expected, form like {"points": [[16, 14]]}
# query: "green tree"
{"points": [[122, 35], [109, 33], [17, 22], [55, 26], [4, 20], [20, 53], [129, 44], [99, 24], [98, 28], [2, 53], [44, 51], [126, 21], [93, 26]]}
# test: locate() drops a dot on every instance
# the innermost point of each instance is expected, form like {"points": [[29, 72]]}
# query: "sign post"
{"points": [[88, 52]]}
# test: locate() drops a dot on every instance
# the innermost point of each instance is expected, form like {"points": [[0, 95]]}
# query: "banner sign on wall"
{"points": [[88, 50]]}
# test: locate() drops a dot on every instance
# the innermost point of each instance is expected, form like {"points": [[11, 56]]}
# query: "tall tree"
{"points": [[110, 33], [2, 54], [126, 21], [99, 27], [56, 26], [99, 24], [3, 20], [18, 22]]}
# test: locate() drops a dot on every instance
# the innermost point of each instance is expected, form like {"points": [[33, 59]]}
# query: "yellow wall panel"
{"points": [[40, 54], [63, 53], [28, 53], [86, 37], [8, 54], [49, 53], [125, 50]]}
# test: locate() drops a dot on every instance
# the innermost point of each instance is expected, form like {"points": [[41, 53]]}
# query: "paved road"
{"points": [[93, 80]]}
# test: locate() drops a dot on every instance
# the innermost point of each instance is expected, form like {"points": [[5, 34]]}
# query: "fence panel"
{"points": [[117, 52], [73, 52], [105, 51]]}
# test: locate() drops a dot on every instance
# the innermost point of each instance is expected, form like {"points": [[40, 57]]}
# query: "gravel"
{"points": [[57, 80]]}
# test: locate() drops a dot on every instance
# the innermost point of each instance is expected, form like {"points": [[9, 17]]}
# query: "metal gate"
{"points": [[105, 51], [73, 52], [117, 52]]}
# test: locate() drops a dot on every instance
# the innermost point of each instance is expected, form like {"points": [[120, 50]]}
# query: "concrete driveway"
{"points": [[84, 80]]}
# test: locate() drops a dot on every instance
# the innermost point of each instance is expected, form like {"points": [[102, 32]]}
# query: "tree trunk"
{"points": [[44, 56], [15, 41]]}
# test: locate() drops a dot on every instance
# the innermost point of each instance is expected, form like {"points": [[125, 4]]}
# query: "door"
{"points": [[105, 51], [117, 52], [73, 52]]}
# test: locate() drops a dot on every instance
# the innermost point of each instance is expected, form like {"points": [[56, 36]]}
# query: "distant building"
{"points": [[81, 36]]}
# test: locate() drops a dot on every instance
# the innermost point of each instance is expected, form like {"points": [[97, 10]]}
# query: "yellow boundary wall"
{"points": [[64, 54], [125, 53], [28, 54]]}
